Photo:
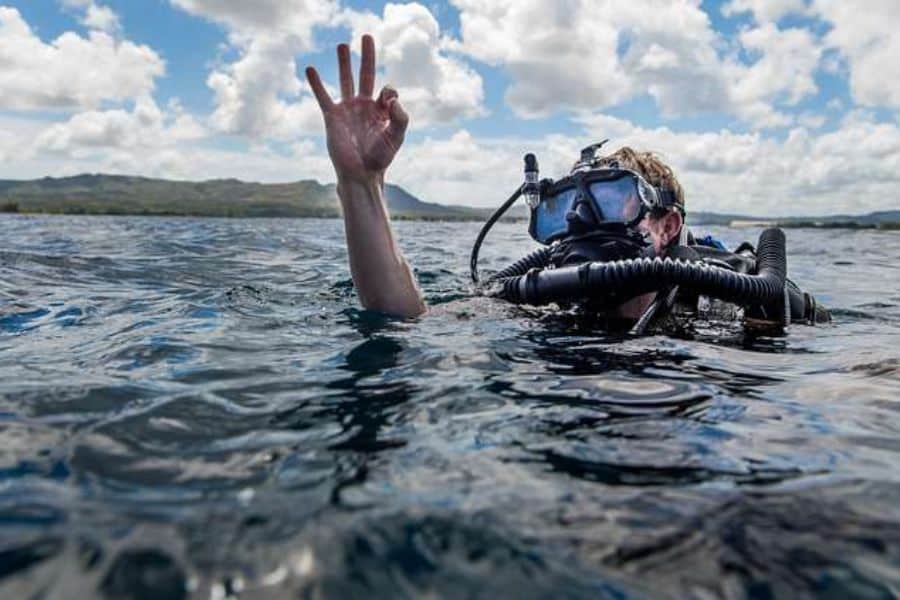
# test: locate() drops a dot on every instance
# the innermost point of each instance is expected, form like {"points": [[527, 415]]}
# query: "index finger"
{"points": [[325, 101]]}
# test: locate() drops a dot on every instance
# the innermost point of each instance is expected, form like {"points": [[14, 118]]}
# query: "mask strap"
{"points": [[668, 198]]}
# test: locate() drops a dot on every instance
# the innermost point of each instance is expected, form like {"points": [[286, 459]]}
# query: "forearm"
{"points": [[382, 277]]}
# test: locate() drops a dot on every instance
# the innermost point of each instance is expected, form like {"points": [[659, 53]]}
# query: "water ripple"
{"points": [[198, 408]]}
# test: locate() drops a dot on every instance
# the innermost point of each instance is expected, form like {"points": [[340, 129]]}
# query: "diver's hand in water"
{"points": [[364, 133]]}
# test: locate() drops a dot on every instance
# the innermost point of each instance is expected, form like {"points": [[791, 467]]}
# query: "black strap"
{"points": [[668, 198]]}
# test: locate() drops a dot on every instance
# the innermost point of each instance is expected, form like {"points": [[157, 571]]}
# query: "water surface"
{"points": [[198, 408]]}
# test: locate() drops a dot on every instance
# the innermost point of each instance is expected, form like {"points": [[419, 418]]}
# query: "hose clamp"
{"points": [[787, 307]]}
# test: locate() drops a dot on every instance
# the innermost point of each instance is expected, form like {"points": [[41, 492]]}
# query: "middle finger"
{"points": [[367, 67]]}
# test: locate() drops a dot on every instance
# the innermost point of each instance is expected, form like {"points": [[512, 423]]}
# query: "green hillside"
{"points": [[122, 195]]}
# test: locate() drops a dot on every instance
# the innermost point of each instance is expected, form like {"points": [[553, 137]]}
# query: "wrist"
{"points": [[352, 190], [367, 179]]}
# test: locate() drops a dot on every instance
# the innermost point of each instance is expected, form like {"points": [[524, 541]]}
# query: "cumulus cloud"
{"points": [[71, 71], [265, 18], [578, 56], [435, 86], [784, 73], [95, 16], [867, 37], [259, 94], [144, 127], [764, 11], [853, 168], [148, 140], [587, 55], [558, 54]]}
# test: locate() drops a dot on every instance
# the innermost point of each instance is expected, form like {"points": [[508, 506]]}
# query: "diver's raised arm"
{"points": [[364, 134]]}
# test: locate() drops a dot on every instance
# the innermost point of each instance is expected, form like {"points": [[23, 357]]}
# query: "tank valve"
{"points": [[532, 189]]}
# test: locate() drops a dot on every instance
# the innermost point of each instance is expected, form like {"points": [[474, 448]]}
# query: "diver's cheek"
{"points": [[643, 225], [650, 234]]}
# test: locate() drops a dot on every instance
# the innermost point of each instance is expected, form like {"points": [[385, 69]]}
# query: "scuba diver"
{"points": [[612, 233]]}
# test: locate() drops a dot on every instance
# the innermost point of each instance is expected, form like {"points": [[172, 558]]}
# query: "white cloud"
{"points": [[197, 163], [144, 128], [265, 18], [855, 168], [561, 54], [590, 54], [434, 86], [788, 60], [577, 56], [693, 78], [867, 36], [811, 120], [258, 95], [179, 162], [460, 169], [146, 140], [783, 73], [764, 11], [72, 71], [95, 16]]}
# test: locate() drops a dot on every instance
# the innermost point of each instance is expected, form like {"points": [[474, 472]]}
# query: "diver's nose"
{"points": [[580, 218]]}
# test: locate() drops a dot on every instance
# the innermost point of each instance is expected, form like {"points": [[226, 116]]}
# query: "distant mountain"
{"points": [[875, 218], [884, 218], [117, 194], [708, 218]]}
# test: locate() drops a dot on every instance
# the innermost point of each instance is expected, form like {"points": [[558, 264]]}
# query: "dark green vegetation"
{"points": [[123, 195]]}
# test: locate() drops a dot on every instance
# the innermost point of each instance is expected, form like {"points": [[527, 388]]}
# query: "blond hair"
{"points": [[647, 165]]}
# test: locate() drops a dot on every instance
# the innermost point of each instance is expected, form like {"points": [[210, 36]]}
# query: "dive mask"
{"points": [[591, 199]]}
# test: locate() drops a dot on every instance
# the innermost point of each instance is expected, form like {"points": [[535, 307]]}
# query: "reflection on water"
{"points": [[197, 408]]}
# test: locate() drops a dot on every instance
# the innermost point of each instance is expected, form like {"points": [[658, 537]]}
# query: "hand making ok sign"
{"points": [[363, 133]]}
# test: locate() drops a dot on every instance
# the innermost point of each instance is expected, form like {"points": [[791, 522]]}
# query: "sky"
{"points": [[762, 107]]}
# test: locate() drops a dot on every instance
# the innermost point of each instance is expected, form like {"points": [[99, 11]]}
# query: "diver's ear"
{"points": [[671, 226]]}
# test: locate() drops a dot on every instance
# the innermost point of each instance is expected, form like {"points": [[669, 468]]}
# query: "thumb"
{"points": [[396, 128]]}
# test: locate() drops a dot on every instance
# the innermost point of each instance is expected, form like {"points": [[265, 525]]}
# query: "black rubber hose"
{"points": [[476, 248], [628, 278], [538, 259]]}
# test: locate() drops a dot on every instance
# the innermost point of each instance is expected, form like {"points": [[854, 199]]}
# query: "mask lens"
{"points": [[617, 199], [550, 215]]}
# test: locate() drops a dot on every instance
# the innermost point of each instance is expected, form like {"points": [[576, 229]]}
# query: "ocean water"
{"points": [[198, 408]]}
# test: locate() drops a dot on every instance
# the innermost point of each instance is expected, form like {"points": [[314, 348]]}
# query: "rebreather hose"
{"points": [[637, 276], [473, 260]]}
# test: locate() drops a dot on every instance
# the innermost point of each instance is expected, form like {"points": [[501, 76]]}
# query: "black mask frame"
{"points": [[651, 199]]}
